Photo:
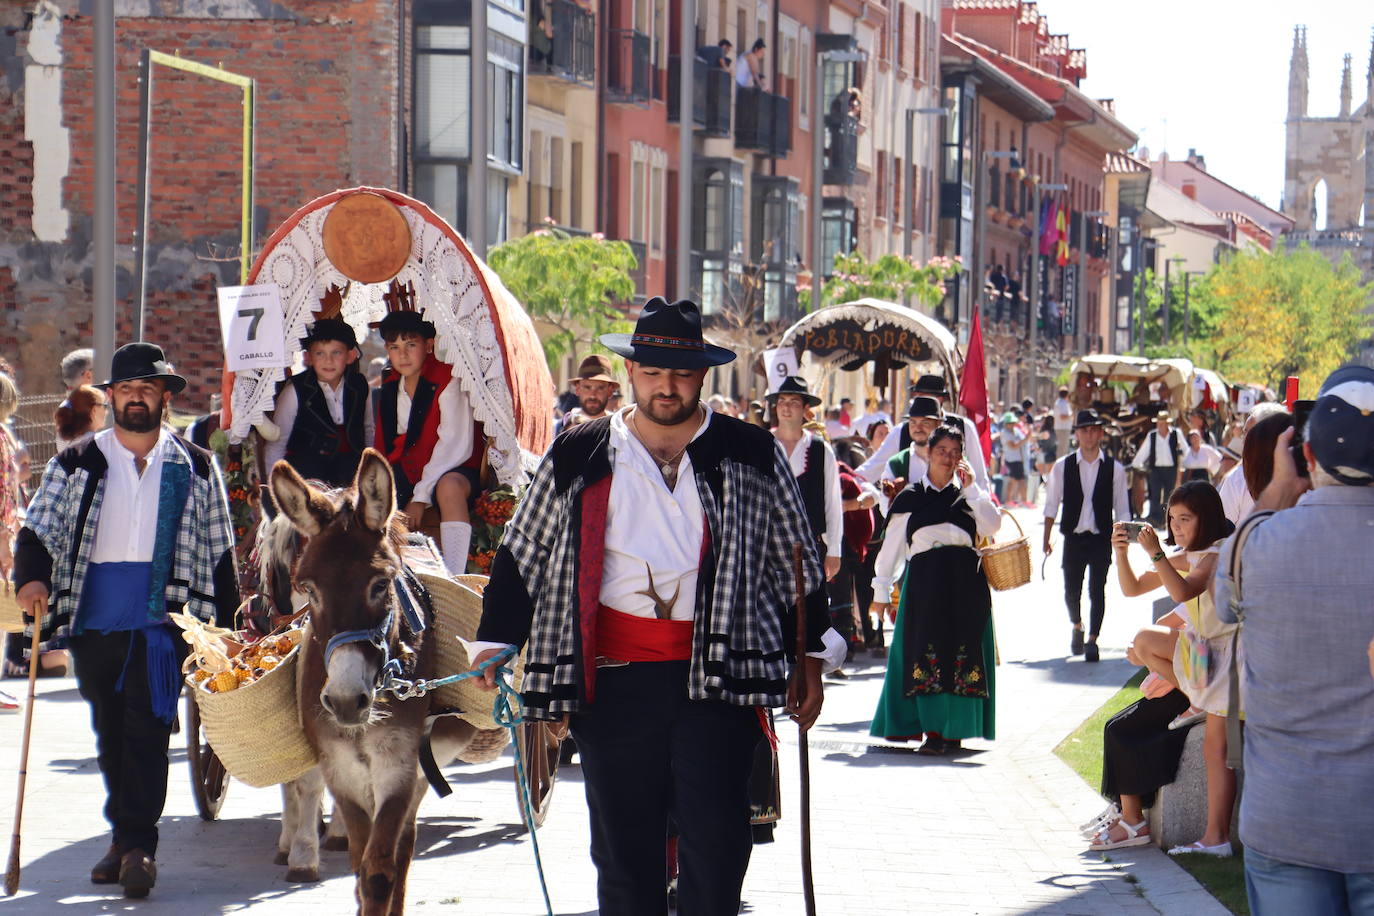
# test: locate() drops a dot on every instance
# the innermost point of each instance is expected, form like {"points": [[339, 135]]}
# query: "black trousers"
{"points": [[131, 742], [1090, 553], [1159, 483], [648, 752]]}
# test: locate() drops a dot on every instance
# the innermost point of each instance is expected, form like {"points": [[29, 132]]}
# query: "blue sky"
{"points": [[1213, 74]]}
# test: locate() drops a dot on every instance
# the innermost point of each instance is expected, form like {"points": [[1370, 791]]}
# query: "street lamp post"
{"points": [[1081, 292], [1036, 191], [818, 165], [980, 225], [1166, 308]]}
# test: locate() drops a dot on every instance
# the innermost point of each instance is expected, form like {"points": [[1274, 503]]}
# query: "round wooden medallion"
{"points": [[366, 237]]}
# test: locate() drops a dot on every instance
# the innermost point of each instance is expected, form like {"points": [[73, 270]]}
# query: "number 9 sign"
{"points": [[251, 321]]}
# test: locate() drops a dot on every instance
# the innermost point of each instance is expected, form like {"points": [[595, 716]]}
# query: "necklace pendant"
{"points": [[666, 468]]}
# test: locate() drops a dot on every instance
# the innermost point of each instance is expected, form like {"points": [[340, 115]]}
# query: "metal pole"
{"points": [[1081, 288], [1034, 286], [479, 120], [1186, 278], [1165, 309], [687, 27], [145, 132], [908, 199], [817, 176], [977, 285], [103, 280]]}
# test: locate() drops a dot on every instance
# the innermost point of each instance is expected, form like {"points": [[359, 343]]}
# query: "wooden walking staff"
{"points": [[12, 873], [799, 691]]}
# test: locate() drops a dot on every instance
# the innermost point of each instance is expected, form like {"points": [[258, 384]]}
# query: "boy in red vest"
{"points": [[426, 430]]}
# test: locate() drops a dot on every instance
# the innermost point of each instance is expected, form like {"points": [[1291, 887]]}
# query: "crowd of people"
{"points": [[890, 508]]}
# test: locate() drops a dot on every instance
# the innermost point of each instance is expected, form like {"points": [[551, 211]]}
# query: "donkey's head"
{"points": [[345, 571]]}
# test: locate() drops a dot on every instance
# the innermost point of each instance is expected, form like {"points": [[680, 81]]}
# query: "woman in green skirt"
{"points": [[939, 683]]}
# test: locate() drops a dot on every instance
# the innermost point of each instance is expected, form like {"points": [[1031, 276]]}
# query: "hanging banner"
{"points": [[778, 365], [250, 321]]}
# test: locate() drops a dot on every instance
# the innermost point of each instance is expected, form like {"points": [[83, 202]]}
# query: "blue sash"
{"points": [[114, 598]]}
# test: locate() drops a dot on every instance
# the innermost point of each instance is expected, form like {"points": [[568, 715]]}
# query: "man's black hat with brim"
{"points": [[923, 406], [406, 322], [138, 361], [794, 384], [668, 337], [1088, 418], [330, 329]]}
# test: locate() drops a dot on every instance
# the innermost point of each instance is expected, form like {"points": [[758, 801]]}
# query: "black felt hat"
{"points": [[923, 406], [1088, 418], [331, 329], [794, 384], [406, 322], [141, 360], [932, 385], [668, 337]]}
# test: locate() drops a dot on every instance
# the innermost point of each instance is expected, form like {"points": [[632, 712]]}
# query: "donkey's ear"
{"points": [[269, 505], [376, 491], [307, 508]]}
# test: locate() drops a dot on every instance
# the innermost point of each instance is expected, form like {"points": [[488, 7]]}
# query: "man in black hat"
{"points": [[650, 569], [818, 473], [922, 419], [1092, 487], [126, 527], [323, 414], [934, 386]]}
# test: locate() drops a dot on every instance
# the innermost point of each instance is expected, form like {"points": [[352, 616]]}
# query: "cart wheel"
{"points": [[209, 779], [539, 750]]}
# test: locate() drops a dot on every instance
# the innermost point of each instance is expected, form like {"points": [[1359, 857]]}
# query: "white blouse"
{"points": [[897, 550]]}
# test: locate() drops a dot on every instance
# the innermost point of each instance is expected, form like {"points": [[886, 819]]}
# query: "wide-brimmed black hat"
{"points": [[1088, 418], [923, 406], [405, 322], [330, 329], [794, 384], [141, 360], [932, 385], [668, 337]]}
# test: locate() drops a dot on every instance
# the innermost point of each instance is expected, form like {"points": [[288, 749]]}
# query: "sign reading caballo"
{"points": [[848, 336]]}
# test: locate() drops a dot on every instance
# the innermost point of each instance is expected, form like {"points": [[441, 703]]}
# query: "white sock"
{"points": [[454, 538]]}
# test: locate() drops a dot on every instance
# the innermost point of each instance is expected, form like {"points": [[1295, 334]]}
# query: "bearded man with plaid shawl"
{"points": [[650, 568]]}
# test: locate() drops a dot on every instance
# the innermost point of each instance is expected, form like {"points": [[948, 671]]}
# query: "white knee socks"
{"points": [[454, 539]]}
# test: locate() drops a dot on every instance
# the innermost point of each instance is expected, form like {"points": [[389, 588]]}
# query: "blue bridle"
{"points": [[378, 635]]}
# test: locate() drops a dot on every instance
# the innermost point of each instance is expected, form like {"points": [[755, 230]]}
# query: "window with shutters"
{"points": [[880, 187], [917, 43], [899, 49], [897, 191]]}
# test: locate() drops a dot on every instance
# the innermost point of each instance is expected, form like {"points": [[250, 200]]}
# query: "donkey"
{"points": [[368, 744]]}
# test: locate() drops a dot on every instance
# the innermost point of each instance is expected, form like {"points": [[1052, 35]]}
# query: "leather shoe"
{"points": [[1090, 652], [1076, 642], [137, 873], [106, 871]]}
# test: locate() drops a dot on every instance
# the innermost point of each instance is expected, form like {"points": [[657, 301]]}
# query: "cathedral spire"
{"points": [[1297, 75], [1345, 88], [1369, 79]]}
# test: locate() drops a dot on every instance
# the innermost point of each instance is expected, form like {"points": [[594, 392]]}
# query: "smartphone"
{"points": [[1134, 528], [1301, 411]]}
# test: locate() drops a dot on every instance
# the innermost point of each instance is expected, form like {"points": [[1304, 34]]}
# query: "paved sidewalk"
{"points": [[989, 830]]}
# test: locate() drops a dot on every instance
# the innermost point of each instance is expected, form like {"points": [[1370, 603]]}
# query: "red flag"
{"points": [[973, 388], [1061, 231]]}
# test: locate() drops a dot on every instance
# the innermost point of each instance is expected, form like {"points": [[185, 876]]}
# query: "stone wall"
{"points": [[326, 118]]}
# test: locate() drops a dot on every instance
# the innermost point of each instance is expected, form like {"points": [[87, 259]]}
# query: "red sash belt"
{"points": [[628, 638]]}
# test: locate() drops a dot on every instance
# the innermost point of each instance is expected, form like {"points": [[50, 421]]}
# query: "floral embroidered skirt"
{"points": [[954, 717]]}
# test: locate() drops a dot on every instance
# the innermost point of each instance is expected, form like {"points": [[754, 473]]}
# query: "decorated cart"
{"points": [[891, 337], [357, 254]]}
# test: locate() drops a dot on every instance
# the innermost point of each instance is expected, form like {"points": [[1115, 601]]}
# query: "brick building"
{"points": [[322, 122]]}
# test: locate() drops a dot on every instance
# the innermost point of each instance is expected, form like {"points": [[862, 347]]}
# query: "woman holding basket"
{"points": [[939, 684]]}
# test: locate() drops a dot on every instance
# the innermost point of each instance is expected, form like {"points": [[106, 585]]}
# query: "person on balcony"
{"points": [[717, 55], [749, 67]]}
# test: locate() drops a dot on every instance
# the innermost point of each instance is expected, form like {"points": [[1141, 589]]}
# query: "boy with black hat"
{"points": [[1092, 487], [425, 428], [933, 386], [323, 413]]}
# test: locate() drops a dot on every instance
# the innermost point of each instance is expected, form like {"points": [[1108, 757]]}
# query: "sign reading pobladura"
{"points": [[850, 336], [250, 320]]}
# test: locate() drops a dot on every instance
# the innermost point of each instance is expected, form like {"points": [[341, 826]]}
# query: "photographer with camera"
{"points": [[1301, 590]]}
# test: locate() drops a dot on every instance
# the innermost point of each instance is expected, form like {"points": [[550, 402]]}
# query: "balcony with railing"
{"points": [[627, 67], [563, 42], [841, 149], [710, 96], [763, 122]]}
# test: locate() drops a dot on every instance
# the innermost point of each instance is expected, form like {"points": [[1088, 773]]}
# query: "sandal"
{"points": [[1186, 718], [1134, 837], [1090, 829]]}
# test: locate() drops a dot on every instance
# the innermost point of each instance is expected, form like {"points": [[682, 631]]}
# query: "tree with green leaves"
{"points": [[1260, 316], [571, 283], [891, 277]]}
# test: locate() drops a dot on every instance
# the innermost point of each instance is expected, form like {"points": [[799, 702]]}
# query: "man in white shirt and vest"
{"points": [[933, 386], [650, 569], [1158, 457], [818, 473], [1092, 487], [125, 527]]}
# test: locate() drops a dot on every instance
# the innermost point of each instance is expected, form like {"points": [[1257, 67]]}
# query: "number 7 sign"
{"points": [[250, 319]]}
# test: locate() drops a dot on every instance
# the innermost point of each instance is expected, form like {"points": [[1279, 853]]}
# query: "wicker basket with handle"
{"points": [[11, 614], [1008, 565]]}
